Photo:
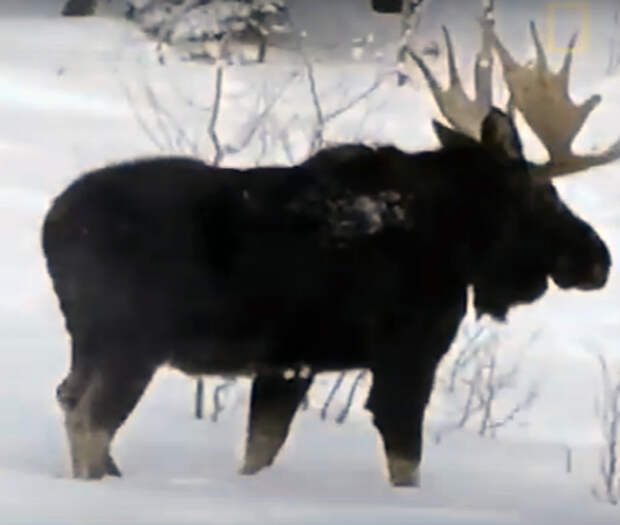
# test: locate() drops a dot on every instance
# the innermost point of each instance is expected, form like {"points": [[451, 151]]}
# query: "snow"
{"points": [[64, 109]]}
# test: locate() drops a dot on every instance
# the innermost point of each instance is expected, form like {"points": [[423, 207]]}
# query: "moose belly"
{"points": [[326, 314]]}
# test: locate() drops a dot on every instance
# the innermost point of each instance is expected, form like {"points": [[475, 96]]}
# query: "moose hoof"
{"points": [[112, 469], [95, 472], [91, 473], [89, 450], [260, 453], [254, 464], [249, 470], [403, 472]]}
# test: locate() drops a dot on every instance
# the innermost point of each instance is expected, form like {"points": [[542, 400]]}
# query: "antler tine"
{"points": [[568, 57], [465, 115], [508, 62], [541, 58], [542, 98], [453, 73], [576, 163]]}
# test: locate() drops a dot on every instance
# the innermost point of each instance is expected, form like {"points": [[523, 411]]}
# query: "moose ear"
{"points": [[452, 139], [499, 134]]}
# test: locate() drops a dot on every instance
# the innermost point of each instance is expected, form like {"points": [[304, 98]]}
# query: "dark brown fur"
{"points": [[358, 257]]}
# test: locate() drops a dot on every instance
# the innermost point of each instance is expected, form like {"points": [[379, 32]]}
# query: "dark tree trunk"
{"points": [[79, 8]]}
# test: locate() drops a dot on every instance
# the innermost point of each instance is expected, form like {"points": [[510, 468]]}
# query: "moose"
{"points": [[359, 257]]}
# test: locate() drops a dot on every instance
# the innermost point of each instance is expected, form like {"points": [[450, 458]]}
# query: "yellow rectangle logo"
{"points": [[584, 12]]}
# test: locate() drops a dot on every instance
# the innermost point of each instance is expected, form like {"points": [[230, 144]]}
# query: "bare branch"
{"points": [[331, 395], [217, 158], [159, 117], [142, 122], [322, 118], [467, 352], [317, 139], [484, 382], [472, 394], [355, 100], [286, 146], [199, 401], [610, 419], [218, 406], [526, 403], [345, 411], [488, 395], [259, 120], [164, 115]]}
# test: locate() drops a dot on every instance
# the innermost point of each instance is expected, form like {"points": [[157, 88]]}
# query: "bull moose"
{"points": [[359, 257]]}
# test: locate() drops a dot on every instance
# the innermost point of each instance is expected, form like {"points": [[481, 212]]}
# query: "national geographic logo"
{"points": [[581, 13]]}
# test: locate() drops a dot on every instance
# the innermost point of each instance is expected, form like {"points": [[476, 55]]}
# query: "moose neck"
{"points": [[467, 203]]}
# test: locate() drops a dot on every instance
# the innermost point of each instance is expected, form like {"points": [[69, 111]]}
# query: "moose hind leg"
{"points": [[96, 403], [273, 404]]}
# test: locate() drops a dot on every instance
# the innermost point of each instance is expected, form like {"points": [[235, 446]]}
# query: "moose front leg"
{"points": [[397, 401], [273, 404], [403, 377]]}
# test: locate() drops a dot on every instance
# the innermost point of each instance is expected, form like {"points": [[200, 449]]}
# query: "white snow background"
{"points": [[64, 108]]}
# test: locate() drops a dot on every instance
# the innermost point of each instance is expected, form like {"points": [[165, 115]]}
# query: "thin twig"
{"points": [[260, 118], [199, 401], [355, 100], [347, 407], [331, 395], [181, 136], [519, 407], [489, 395], [142, 122], [159, 117], [286, 146], [610, 419], [467, 352], [469, 409], [218, 407], [317, 138], [214, 116]]}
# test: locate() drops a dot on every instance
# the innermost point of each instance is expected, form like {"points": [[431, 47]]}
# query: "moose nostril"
{"points": [[599, 273]]}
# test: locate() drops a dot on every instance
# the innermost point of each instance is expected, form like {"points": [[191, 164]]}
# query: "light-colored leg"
{"points": [[273, 404], [404, 472], [96, 402], [89, 445]]}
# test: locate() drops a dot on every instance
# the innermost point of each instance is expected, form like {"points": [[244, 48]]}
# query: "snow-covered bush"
{"points": [[206, 28]]}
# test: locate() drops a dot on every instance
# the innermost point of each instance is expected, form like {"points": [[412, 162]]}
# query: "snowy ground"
{"points": [[64, 108]]}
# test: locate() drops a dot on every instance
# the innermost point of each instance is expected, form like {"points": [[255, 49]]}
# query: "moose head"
{"points": [[546, 239]]}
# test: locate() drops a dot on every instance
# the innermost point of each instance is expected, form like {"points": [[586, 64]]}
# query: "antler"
{"points": [[540, 95], [464, 114], [542, 98]]}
